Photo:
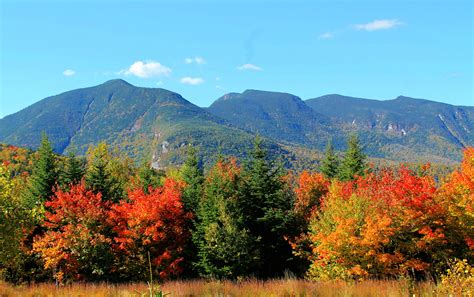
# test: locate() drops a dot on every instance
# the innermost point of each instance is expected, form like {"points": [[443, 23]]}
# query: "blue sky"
{"points": [[202, 50]]}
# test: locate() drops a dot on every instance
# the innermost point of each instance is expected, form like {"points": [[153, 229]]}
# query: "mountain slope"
{"points": [[404, 125], [159, 123], [281, 116], [137, 120]]}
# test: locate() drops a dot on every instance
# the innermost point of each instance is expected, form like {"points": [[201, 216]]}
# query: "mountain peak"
{"points": [[117, 82], [252, 92], [401, 97], [406, 99]]}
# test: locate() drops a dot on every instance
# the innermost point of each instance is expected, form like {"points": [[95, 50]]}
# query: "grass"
{"points": [[283, 287]]}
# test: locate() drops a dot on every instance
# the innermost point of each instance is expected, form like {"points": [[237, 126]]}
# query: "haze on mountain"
{"points": [[157, 123]]}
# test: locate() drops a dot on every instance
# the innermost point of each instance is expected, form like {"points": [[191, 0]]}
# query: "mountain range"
{"points": [[158, 123]]}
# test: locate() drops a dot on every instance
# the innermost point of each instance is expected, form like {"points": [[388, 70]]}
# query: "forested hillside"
{"points": [[154, 123], [102, 218]]}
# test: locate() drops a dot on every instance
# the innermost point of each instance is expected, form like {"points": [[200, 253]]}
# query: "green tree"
{"points": [[30, 209], [73, 171], [149, 177], [267, 209], [354, 162], [192, 175], [330, 163], [12, 217], [44, 175], [225, 248], [99, 177]]}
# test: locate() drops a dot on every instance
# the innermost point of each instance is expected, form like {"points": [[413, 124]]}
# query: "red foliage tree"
{"points": [[384, 224], [152, 223], [75, 244], [311, 188]]}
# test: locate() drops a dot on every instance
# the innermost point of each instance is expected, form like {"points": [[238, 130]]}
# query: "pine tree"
{"points": [[192, 175], [98, 175], [44, 175], [224, 248], [354, 162], [266, 207], [330, 163], [149, 177], [73, 171]]}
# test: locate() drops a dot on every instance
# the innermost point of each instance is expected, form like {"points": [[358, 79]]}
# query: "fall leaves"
{"points": [[236, 219], [88, 237], [389, 223]]}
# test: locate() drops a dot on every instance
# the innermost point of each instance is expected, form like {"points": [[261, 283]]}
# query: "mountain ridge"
{"points": [[140, 121], [152, 120]]}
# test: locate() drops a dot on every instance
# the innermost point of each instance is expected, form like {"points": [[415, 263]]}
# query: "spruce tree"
{"points": [[224, 248], [192, 175], [44, 175], [149, 177], [266, 207], [73, 171], [354, 162], [330, 163], [98, 176]]}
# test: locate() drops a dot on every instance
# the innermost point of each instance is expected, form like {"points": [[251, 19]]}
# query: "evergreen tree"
{"points": [[330, 163], [354, 162], [192, 175], [149, 177], [98, 175], [267, 210], [44, 175], [73, 171], [225, 249]]}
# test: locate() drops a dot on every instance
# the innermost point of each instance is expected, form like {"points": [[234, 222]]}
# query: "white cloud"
{"points": [[69, 72], [147, 69], [378, 25], [159, 83], [326, 35], [249, 67], [192, 80], [197, 60]]}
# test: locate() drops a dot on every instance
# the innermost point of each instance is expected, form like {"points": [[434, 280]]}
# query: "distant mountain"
{"points": [[148, 121], [160, 123], [403, 129], [281, 116], [403, 126]]}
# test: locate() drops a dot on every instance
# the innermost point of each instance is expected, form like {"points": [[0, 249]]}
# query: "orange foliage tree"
{"points": [[384, 224], [153, 223], [456, 196], [310, 189], [75, 245]]}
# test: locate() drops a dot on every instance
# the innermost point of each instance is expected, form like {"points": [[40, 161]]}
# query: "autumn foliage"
{"points": [[389, 223], [151, 223], [233, 220], [457, 198], [87, 237], [75, 245], [309, 191]]}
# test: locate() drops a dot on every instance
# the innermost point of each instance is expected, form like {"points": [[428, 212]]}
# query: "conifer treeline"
{"points": [[96, 219]]}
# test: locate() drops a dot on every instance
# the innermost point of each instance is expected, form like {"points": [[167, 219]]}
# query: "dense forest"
{"points": [[102, 218]]}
